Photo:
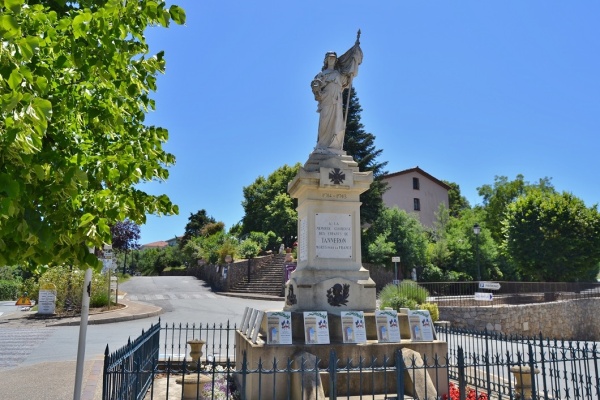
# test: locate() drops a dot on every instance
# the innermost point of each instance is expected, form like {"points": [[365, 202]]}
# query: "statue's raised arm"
{"points": [[327, 86]]}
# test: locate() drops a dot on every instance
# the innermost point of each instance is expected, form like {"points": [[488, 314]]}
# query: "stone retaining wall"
{"points": [[567, 319], [213, 274]]}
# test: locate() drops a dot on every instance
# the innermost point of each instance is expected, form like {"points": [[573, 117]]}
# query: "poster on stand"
{"points": [[279, 327], [353, 327], [388, 326], [316, 327], [245, 318], [250, 324], [256, 328], [421, 326]]}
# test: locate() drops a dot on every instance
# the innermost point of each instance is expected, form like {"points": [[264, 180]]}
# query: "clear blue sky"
{"points": [[466, 90]]}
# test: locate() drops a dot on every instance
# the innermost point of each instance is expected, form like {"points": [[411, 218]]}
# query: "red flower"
{"points": [[471, 394]]}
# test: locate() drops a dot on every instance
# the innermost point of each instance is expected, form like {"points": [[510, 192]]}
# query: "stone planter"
{"points": [[196, 350], [523, 377]]}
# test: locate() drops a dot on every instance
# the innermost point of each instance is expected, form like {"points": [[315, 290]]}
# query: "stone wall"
{"points": [[213, 274], [566, 319]]}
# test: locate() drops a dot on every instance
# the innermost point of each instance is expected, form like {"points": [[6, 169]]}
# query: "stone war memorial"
{"points": [[330, 299]]}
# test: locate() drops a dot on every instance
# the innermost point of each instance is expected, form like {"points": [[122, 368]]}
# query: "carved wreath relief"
{"points": [[290, 300], [337, 295]]}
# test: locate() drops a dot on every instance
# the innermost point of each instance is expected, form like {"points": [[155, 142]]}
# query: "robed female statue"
{"points": [[327, 86]]}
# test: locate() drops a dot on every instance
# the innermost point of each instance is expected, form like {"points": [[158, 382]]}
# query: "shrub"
{"points": [[433, 310], [414, 291], [432, 273], [392, 296], [69, 286], [249, 248], [98, 300], [9, 290]]}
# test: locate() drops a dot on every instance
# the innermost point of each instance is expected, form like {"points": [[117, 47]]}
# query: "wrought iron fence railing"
{"points": [[477, 364], [460, 294]]}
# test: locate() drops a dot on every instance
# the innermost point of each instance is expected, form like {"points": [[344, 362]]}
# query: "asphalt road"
{"points": [[183, 299]]}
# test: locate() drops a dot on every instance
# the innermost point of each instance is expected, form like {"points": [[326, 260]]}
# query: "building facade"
{"points": [[416, 192]]}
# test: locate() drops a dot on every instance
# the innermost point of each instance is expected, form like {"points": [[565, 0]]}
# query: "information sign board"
{"points": [[388, 326], [482, 296], [279, 327], [421, 325], [316, 327], [353, 327], [489, 285]]}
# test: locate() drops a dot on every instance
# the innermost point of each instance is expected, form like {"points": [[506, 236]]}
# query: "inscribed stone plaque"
{"points": [[333, 235], [302, 240]]}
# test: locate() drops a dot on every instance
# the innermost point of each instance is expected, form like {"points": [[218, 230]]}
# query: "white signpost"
{"points": [[489, 285], [482, 296]]}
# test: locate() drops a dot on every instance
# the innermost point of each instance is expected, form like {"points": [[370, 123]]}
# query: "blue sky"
{"points": [[466, 90]]}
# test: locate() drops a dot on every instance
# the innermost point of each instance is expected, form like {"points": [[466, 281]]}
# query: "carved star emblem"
{"points": [[337, 176]]}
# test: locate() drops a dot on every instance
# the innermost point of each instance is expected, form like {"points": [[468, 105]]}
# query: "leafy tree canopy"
{"points": [[361, 146], [267, 205], [496, 199], [404, 231], [553, 237], [125, 235], [457, 202], [196, 222], [75, 84]]}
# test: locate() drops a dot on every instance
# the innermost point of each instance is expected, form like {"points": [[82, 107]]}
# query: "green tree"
{"points": [[463, 245], [404, 231], [75, 85], [553, 237], [361, 146], [282, 217], [496, 199], [267, 195], [125, 236], [194, 226], [456, 201]]}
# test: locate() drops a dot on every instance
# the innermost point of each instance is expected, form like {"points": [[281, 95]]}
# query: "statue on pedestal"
{"points": [[327, 86]]}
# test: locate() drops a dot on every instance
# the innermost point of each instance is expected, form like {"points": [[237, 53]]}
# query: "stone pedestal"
{"points": [[329, 275], [523, 376], [275, 386]]}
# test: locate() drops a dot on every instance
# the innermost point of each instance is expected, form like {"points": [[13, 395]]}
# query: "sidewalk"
{"points": [[132, 310]]}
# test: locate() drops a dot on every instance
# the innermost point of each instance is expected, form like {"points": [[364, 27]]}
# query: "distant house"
{"points": [[415, 191], [154, 245], [173, 242]]}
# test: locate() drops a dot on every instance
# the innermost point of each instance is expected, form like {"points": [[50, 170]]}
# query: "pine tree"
{"points": [[361, 146]]}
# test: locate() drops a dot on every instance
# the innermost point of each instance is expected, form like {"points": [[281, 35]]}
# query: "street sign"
{"points": [[395, 259], [480, 296], [489, 285], [396, 281]]}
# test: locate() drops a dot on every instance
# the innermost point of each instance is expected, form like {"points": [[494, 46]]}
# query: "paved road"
{"points": [[29, 345]]}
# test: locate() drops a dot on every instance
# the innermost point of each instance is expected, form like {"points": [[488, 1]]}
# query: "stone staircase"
{"points": [[267, 280]]}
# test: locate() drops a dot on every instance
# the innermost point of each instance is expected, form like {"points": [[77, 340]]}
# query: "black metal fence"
{"points": [[478, 365], [459, 294], [130, 371]]}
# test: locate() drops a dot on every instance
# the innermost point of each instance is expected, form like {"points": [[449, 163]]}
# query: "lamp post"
{"points": [[476, 230]]}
